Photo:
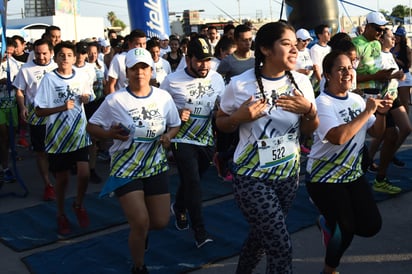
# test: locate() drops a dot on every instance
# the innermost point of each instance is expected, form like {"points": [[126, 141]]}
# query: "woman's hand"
{"points": [[297, 104], [250, 110], [118, 132], [381, 106]]}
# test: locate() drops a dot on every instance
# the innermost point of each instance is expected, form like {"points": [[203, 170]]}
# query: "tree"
{"points": [[114, 21], [111, 16], [400, 12], [119, 23]]}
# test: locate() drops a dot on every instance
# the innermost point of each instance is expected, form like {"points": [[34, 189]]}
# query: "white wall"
{"points": [[85, 26]]}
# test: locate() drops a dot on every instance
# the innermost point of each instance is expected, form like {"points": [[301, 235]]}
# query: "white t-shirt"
{"points": [[66, 130], [199, 95], [276, 123], [117, 70], [317, 53], [162, 69], [89, 70], [388, 62], [28, 80], [147, 117], [304, 60], [214, 63], [329, 163], [8, 98]]}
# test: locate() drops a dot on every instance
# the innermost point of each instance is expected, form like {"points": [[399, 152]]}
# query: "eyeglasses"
{"points": [[303, 41], [378, 28]]}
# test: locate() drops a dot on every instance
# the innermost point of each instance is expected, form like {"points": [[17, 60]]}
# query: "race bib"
{"points": [[276, 151]]}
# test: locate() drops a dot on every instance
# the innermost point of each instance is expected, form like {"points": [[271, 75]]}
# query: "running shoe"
{"points": [[304, 149], [22, 142], [201, 236], [63, 225], [49, 194], [398, 163], [181, 221], [385, 186], [82, 216], [373, 168], [8, 176]]}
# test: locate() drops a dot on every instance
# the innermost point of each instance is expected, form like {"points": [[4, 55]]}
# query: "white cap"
{"points": [[138, 55], [376, 18], [104, 43], [303, 34], [164, 36]]}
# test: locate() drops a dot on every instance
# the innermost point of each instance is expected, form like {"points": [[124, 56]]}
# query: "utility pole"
{"points": [[270, 7], [238, 10]]}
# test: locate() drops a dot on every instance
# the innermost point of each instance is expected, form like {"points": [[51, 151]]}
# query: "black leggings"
{"points": [[349, 209]]}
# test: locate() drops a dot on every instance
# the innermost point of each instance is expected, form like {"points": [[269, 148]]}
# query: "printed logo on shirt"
{"points": [[350, 113]]}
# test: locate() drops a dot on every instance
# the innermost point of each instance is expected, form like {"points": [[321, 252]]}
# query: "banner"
{"points": [[67, 7], [3, 25], [151, 16]]}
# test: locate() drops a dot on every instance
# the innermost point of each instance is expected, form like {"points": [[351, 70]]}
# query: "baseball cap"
{"points": [[400, 31], [104, 43], [81, 47], [199, 48], [164, 36], [376, 18], [138, 55], [303, 34]]}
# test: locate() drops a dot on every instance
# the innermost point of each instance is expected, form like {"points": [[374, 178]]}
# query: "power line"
{"points": [[104, 5]]}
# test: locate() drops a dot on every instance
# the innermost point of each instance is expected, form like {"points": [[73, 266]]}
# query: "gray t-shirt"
{"points": [[232, 65]]}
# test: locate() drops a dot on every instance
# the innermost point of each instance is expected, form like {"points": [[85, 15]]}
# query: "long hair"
{"points": [[266, 36]]}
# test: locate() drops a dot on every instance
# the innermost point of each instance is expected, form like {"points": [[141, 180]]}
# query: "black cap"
{"points": [[199, 48], [81, 47]]}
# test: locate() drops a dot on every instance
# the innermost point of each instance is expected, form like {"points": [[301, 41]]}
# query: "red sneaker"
{"points": [[22, 142], [63, 225], [49, 194], [82, 216]]}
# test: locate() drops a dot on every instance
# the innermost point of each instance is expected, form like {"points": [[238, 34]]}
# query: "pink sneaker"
{"points": [[304, 149], [228, 177]]}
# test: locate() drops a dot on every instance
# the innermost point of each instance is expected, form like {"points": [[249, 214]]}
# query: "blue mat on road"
{"points": [[36, 226], [170, 251]]}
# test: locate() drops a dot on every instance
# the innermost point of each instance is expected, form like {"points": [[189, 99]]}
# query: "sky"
{"points": [[213, 9]]}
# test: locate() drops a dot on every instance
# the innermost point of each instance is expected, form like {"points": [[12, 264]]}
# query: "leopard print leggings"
{"points": [[265, 205]]}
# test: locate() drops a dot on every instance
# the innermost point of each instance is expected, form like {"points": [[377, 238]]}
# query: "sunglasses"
{"points": [[378, 28]]}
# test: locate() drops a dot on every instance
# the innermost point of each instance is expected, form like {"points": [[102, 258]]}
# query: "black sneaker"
{"points": [[141, 270], [373, 168], [181, 222], [398, 163], [201, 237], [94, 177]]}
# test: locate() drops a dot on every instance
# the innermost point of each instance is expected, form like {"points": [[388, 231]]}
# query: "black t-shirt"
{"points": [[22, 58]]}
